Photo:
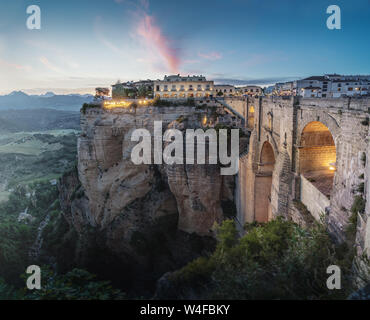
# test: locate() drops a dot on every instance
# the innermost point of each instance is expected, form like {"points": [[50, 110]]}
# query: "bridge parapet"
{"points": [[360, 104]]}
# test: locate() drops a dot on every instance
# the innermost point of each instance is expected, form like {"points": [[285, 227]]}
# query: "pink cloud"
{"points": [[211, 55], [156, 41], [14, 65], [49, 65]]}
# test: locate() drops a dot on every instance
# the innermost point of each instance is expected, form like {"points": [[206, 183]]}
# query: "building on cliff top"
{"points": [[180, 87], [326, 86]]}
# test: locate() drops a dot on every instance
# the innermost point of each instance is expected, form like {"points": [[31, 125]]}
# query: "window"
{"points": [[157, 88], [182, 88], [199, 87], [165, 87], [173, 87], [190, 87], [350, 89], [324, 95]]}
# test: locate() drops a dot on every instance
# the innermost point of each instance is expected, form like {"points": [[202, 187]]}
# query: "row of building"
{"points": [[326, 86], [177, 87], [183, 87]]}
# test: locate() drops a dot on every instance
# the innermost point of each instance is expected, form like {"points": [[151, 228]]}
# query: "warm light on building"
{"points": [[189, 86], [204, 120], [332, 166], [125, 104]]}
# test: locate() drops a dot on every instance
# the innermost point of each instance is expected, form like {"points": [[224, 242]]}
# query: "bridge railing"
{"points": [[230, 108]]}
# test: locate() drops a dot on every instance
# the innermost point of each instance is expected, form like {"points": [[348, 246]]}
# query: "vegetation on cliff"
{"points": [[277, 260]]}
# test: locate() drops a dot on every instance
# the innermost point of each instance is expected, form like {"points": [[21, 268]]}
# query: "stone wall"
{"points": [[316, 202], [281, 122]]}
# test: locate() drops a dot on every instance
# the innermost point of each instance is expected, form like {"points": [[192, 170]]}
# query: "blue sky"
{"points": [[87, 43]]}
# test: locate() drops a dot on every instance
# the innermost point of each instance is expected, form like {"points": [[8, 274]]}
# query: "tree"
{"points": [[142, 92], [77, 284]]}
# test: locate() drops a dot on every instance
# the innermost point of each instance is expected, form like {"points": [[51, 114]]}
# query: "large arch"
{"points": [[317, 156], [263, 183]]}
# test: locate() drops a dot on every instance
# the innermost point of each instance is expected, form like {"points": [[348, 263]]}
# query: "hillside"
{"points": [[38, 120]]}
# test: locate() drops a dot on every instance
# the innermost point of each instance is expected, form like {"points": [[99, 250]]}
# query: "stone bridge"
{"points": [[304, 151]]}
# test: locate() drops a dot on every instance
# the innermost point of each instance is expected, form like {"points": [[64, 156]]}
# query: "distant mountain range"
{"points": [[21, 100]]}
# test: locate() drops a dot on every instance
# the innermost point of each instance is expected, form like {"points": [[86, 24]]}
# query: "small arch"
{"points": [[317, 156]]}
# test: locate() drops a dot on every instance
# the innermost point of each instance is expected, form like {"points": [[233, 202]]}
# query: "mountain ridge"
{"points": [[21, 100]]}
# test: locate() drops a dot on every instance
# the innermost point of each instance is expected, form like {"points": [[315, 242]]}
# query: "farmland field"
{"points": [[27, 157]]}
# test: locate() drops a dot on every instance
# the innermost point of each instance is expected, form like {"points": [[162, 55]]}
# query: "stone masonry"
{"points": [[323, 141]]}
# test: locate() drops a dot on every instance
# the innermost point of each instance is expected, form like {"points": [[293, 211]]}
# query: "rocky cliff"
{"points": [[147, 218]]}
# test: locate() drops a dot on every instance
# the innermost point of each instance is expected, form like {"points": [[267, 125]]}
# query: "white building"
{"points": [[333, 86], [250, 90], [179, 87], [226, 90]]}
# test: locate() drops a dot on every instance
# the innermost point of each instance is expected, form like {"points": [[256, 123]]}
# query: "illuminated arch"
{"points": [[317, 156]]}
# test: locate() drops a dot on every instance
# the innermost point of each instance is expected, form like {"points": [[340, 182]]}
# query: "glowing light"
{"points": [[332, 168], [123, 103], [204, 120]]}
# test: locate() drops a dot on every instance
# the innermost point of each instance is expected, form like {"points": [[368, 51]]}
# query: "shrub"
{"points": [[276, 260], [86, 106], [365, 122], [358, 205], [77, 284]]}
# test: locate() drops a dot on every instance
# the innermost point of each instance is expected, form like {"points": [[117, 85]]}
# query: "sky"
{"points": [[83, 44]]}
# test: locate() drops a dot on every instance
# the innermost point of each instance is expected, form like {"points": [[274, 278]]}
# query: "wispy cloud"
{"points": [[263, 58], [210, 55], [57, 53], [15, 66], [98, 23], [154, 39], [50, 65]]}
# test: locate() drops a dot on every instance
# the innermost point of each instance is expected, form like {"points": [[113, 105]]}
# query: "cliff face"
{"points": [[132, 208], [113, 183]]}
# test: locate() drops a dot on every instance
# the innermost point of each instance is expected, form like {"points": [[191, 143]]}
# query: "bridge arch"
{"points": [[317, 156], [263, 183], [317, 116]]}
